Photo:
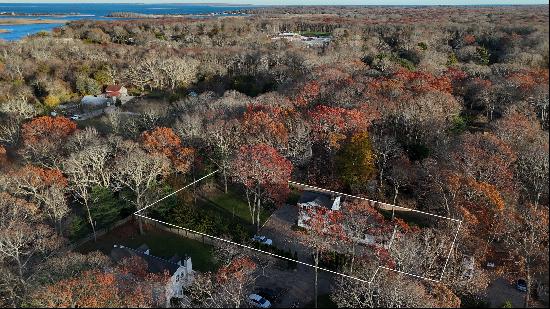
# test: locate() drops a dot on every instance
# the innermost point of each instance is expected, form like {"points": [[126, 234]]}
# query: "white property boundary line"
{"points": [[403, 208], [137, 213], [373, 201]]}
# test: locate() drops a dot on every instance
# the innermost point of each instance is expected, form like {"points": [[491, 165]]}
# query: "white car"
{"points": [[258, 301], [76, 117], [263, 240]]}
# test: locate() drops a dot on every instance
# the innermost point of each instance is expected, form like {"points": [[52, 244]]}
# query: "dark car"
{"points": [[521, 285]]}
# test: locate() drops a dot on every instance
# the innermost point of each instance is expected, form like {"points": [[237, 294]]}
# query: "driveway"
{"points": [[501, 291], [279, 228], [300, 284]]}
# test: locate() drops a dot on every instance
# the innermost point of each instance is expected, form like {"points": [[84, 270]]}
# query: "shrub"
{"points": [[423, 46]]}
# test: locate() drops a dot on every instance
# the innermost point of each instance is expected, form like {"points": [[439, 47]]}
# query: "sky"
{"points": [[299, 2]]}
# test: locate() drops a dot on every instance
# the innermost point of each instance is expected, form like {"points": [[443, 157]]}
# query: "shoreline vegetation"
{"points": [[16, 14], [29, 21], [154, 16]]}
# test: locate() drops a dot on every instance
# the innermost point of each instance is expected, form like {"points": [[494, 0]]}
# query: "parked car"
{"points": [[258, 301], [76, 117], [521, 285], [263, 240]]}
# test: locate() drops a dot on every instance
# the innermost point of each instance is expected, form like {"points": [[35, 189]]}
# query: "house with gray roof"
{"points": [[313, 199], [180, 269]]}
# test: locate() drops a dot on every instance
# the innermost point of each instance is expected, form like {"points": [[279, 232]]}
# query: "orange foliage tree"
{"points": [[324, 231], [331, 124], [265, 125], [128, 285], [165, 142], [45, 187], [264, 174], [43, 138], [47, 129], [308, 93]]}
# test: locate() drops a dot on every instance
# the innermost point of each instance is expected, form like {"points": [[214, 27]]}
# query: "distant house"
{"points": [[310, 41], [180, 269], [116, 91], [312, 199]]}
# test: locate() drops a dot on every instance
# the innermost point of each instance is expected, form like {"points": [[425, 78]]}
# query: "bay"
{"points": [[65, 12]]}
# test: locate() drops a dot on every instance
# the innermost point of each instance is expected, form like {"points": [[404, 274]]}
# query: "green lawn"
{"points": [[162, 244], [315, 33], [232, 204], [294, 196]]}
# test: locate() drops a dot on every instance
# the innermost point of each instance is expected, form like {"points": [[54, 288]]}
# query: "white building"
{"points": [[312, 199], [180, 269], [315, 199]]}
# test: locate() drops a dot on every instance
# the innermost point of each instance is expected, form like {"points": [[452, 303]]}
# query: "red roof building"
{"points": [[116, 91]]}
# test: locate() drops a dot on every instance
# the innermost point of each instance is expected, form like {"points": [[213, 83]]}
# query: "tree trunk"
{"points": [[258, 210], [316, 271], [352, 258], [396, 188], [225, 180], [250, 209], [90, 217], [140, 226], [528, 283]]}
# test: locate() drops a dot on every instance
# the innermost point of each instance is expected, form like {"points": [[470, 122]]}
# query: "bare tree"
{"points": [[401, 174], [86, 169], [227, 288], [325, 231], [23, 237], [386, 148], [528, 240], [387, 290], [221, 136], [139, 171]]}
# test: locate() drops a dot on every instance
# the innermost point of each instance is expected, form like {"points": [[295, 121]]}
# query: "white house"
{"points": [[180, 269], [311, 199]]}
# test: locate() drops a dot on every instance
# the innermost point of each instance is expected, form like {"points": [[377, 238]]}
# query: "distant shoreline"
{"points": [[153, 16], [15, 14], [28, 21]]}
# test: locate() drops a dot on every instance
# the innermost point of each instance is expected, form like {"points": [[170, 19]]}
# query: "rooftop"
{"points": [[155, 264]]}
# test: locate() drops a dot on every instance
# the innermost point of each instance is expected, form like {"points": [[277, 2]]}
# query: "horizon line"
{"points": [[266, 3]]}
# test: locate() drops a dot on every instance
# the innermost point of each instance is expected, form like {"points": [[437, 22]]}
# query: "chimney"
{"points": [[188, 265], [336, 203]]}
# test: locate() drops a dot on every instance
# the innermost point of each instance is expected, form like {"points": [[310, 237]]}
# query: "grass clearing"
{"points": [[231, 204], [162, 244]]}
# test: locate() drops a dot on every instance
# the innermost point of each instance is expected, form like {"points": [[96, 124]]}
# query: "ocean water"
{"points": [[94, 11]]}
